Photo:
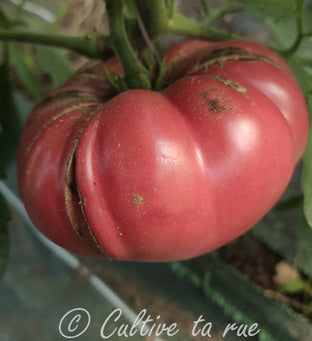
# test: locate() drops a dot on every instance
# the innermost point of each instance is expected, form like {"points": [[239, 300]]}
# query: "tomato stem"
{"points": [[155, 14], [159, 19], [185, 26], [136, 76], [205, 6], [158, 16], [92, 47], [171, 7], [144, 32]]}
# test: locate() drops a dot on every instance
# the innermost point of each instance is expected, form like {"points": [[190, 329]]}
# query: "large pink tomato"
{"points": [[170, 175]]}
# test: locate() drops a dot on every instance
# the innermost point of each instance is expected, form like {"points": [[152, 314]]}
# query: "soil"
{"points": [[266, 269]]}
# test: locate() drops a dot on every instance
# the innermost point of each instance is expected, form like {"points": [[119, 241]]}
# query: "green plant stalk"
{"points": [[171, 7], [87, 46], [155, 15], [205, 6], [158, 20], [136, 76], [179, 24]]}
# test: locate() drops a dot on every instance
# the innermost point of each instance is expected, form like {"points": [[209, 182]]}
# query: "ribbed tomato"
{"points": [[169, 175]]}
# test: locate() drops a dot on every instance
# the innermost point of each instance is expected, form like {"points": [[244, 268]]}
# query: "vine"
{"points": [[147, 19], [136, 76], [89, 46]]}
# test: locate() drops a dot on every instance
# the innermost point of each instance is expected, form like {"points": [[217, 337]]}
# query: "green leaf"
{"points": [[287, 233], [244, 301], [304, 49], [9, 122], [129, 8], [4, 235], [306, 179], [302, 76], [148, 59], [293, 202], [5, 22], [279, 18], [26, 70], [282, 29], [274, 8], [294, 287], [307, 16], [303, 255], [55, 63]]}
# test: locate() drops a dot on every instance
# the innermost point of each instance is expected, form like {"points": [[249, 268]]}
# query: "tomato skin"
{"points": [[152, 176], [170, 175], [274, 79], [250, 130], [42, 180]]}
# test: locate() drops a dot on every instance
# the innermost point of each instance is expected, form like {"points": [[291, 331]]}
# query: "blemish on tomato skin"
{"points": [[213, 105], [137, 199], [204, 94], [82, 202], [232, 84], [119, 232]]}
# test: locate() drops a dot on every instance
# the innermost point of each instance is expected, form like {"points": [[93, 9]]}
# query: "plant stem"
{"points": [[89, 47], [171, 7], [145, 35], [136, 76], [185, 26], [155, 15], [205, 6], [157, 20]]}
